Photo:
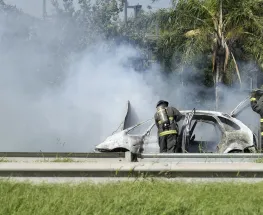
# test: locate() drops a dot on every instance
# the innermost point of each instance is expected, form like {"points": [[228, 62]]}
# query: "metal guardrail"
{"points": [[189, 157], [62, 154], [201, 155], [129, 155], [202, 158], [196, 157], [170, 170]]}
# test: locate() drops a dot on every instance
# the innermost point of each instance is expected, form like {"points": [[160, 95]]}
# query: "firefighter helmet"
{"points": [[162, 102]]}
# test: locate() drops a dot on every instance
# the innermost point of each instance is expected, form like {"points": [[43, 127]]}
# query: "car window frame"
{"points": [[215, 123], [226, 118]]}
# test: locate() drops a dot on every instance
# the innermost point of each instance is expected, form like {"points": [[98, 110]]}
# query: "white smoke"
{"points": [[87, 107], [43, 108]]}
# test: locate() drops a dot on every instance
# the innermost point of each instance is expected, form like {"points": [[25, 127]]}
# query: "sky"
{"points": [[35, 7]]}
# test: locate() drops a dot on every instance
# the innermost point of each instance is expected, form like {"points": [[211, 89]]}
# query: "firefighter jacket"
{"points": [[174, 117], [257, 106]]}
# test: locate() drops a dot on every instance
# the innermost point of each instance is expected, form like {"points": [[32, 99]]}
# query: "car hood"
{"points": [[117, 140]]}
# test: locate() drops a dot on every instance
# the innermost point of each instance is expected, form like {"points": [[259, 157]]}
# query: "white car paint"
{"points": [[149, 142]]}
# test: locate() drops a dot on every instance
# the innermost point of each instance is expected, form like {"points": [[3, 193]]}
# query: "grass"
{"points": [[133, 198], [63, 160], [45, 160], [2, 159], [259, 160], [59, 160]]}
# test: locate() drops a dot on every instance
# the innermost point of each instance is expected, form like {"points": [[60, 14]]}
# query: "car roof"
{"points": [[218, 114], [206, 112]]}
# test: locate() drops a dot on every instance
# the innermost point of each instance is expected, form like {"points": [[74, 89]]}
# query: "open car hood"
{"points": [[240, 107], [129, 118]]}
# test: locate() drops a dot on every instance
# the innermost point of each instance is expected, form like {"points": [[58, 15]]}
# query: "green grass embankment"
{"points": [[131, 198]]}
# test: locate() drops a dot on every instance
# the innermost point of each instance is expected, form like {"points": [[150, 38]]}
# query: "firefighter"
{"points": [[166, 119], [256, 101]]}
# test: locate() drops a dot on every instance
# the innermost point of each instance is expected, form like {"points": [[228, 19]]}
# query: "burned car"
{"points": [[200, 132]]}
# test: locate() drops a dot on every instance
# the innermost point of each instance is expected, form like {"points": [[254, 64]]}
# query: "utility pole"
{"points": [[44, 9], [136, 9], [125, 11]]}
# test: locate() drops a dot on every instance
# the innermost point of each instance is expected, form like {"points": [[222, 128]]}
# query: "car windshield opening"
{"points": [[140, 129]]}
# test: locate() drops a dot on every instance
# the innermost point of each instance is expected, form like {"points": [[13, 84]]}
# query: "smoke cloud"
{"points": [[52, 104], [55, 99]]}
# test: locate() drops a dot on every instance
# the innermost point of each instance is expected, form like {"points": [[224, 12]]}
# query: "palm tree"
{"points": [[169, 39], [215, 27]]}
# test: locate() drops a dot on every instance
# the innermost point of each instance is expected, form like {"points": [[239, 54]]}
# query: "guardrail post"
{"points": [[131, 157]]}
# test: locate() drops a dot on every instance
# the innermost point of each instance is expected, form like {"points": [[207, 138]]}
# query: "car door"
{"points": [[206, 135], [186, 130]]}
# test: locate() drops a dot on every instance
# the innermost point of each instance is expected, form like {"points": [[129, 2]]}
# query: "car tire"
{"points": [[236, 151]]}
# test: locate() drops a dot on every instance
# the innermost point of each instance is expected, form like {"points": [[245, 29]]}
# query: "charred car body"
{"points": [[200, 132]]}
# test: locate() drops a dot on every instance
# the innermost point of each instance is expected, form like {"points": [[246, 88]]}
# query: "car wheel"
{"points": [[119, 150], [236, 151]]}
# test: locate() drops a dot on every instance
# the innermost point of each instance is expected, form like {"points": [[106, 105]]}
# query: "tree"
{"points": [[98, 20], [225, 30], [170, 39], [216, 27]]}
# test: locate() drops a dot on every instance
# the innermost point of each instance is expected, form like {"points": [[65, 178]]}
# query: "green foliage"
{"points": [[188, 34], [58, 159], [96, 20], [138, 27], [259, 160], [2, 159], [241, 22], [194, 28], [139, 197]]}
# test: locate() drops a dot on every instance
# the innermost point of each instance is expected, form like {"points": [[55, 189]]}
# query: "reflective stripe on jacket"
{"points": [[167, 132], [174, 116]]}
